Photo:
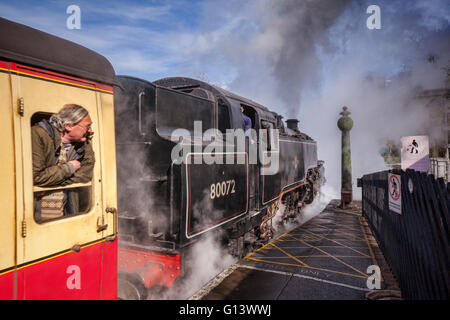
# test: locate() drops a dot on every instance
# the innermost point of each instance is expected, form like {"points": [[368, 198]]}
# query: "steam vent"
{"points": [[345, 124]]}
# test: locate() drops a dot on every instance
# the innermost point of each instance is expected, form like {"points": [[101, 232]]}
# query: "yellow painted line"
{"points": [[305, 247], [52, 257], [374, 261], [272, 262], [328, 238], [59, 255], [303, 235], [346, 233], [320, 236], [66, 82], [310, 256], [309, 267], [337, 259], [7, 271], [253, 257], [345, 226], [286, 253], [339, 225], [333, 224], [343, 245], [259, 259], [264, 246]]}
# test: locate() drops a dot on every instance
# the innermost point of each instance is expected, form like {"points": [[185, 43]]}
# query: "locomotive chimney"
{"points": [[292, 124]]}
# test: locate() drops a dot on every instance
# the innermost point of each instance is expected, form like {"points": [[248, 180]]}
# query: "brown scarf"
{"points": [[52, 203]]}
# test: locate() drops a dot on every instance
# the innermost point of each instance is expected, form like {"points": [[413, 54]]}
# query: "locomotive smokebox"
{"points": [[292, 124]]}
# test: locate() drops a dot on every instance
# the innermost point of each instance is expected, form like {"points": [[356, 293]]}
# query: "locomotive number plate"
{"points": [[221, 189], [215, 193]]}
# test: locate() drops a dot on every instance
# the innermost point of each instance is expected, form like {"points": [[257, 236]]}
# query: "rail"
{"points": [[415, 243]]}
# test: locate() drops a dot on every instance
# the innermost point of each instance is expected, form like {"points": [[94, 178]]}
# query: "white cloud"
{"points": [[149, 13]]}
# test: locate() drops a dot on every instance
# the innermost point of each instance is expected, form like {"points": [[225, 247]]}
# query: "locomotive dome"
{"points": [[20, 43]]}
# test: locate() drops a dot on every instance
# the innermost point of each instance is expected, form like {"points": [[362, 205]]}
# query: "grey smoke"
{"points": [[307, 59], [302, 27]]}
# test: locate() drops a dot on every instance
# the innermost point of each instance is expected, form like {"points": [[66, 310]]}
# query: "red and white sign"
{"points": [[395, 193], [415, 153]]}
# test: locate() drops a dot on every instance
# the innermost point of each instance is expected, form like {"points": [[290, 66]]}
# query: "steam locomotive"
{"points": [[174, 188], [168, 193]]}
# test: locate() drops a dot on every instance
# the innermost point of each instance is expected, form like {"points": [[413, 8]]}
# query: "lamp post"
{"points": [[345, 124]]}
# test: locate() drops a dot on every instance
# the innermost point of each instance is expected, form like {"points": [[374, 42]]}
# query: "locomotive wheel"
{"points": [[130, 289]]}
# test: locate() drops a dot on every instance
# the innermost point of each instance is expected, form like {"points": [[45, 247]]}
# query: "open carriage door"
{"points": [[59, 257]]}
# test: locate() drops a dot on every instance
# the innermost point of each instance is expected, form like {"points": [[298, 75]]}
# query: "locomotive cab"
{"points": [[251, 113]]}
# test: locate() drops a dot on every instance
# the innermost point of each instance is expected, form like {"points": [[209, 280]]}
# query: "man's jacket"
{"points": [[46, 145]]}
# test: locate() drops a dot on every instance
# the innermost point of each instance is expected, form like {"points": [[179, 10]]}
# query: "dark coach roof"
{"points": [[32, 47], [180, 82]]}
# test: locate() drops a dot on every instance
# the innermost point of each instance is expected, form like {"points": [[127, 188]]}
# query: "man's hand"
{"points": [[76, 164]]}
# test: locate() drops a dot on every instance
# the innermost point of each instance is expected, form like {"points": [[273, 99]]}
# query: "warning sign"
{"points": [[395, 193], [415, 153]]}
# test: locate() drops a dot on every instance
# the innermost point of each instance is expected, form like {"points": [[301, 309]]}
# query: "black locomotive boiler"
{"points": [[165, 204]]}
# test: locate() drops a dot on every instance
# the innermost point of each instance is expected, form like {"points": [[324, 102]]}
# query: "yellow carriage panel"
{"points": [[41, 96], [7, 182]]}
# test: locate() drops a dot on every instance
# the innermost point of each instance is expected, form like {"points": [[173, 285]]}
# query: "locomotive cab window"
{"points": [[250, 112], [224, 117], [269, 135], [58, 192], [178, 110]]}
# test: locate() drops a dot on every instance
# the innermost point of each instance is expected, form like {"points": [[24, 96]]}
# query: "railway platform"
{"points": [[330, 257]]}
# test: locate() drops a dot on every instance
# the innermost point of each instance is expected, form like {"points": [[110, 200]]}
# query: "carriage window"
{"points": [[60, 199]]}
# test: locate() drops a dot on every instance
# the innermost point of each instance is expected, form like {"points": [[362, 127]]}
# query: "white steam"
{"points": [[308, 59], [204, 260], [321, 200]]}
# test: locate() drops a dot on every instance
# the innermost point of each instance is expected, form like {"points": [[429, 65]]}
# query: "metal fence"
{"points": [[415, 242]]}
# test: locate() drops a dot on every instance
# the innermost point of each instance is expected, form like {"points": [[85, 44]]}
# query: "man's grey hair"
{"points": [[69, 114]]}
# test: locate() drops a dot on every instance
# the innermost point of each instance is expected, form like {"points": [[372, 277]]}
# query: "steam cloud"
{"points": [[308, 59], [204, 260]]}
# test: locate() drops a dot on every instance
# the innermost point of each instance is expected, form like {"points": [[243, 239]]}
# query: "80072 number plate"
{"points": [[216, 193]]}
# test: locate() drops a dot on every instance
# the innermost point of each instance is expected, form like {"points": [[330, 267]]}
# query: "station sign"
{"points": [[415, 153]]}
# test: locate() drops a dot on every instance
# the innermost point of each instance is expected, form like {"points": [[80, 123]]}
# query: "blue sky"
{"points": [[142, 38], [302, 59], [219, 40]]}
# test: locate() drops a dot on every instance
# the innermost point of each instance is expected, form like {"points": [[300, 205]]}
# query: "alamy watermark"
{"points": [[74, 20], [374, 279], [74, 280], [374, 20]]}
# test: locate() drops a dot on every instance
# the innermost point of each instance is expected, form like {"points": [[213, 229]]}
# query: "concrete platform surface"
{"points": [[327, 258]]}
